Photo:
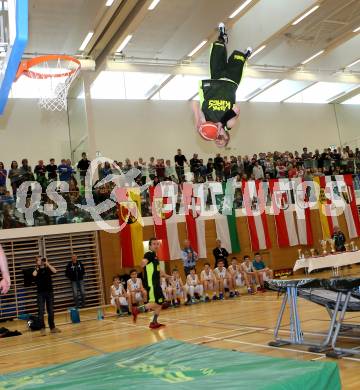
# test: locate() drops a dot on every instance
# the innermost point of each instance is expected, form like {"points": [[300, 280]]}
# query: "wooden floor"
{"points": [[243, 324]]}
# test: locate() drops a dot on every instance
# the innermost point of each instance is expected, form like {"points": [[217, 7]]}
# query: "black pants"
{"points": [[46, 297], [221, 67]]}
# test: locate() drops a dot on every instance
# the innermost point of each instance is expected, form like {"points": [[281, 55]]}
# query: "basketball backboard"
{"points": [[13, 40]]}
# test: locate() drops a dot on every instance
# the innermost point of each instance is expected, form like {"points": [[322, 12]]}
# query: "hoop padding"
{"points": [[55, 74]]}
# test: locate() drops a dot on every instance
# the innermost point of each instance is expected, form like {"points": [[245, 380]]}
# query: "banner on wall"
{"points": [[226, 227], [284, 215], [303, 216], [131, 234], [345, 190], [255, 203], [195, 225], [163, 203], [327, 209]]}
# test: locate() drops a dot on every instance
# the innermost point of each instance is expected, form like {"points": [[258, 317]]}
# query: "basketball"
{"points": [[208, 131]]}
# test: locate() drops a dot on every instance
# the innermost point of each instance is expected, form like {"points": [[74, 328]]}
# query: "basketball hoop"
{"points": [[55, 74]]}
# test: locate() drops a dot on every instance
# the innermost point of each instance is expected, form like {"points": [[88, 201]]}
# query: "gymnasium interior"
{"points": [[180, 194]]}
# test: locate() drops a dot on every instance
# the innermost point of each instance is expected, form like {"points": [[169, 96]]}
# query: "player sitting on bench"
{"points": [[249, 270], [136, 292], [239, 277], [119, 296], [224, 280], [209, 282], [262, 270], [194, 287], [178, 288]]}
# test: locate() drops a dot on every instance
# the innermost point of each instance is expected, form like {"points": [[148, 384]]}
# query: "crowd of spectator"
{"points": [[260, 166]]}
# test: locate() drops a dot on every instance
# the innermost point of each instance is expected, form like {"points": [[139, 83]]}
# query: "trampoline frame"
{"points": [[336, 313]]}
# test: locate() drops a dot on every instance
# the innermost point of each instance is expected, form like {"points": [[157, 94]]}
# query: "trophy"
{"points": [[299, 252], [352, 245], [312, 251], [347, 247], [332, 244], [323, 246]]}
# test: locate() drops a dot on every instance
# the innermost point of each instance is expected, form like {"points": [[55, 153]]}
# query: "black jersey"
{"points": [[152, 278], [216, 98]]}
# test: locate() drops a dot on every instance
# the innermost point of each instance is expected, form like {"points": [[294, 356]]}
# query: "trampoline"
{"points": [[337, 295]]}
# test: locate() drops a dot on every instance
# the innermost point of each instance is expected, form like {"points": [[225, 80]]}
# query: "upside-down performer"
{"points": [[217, 112]]}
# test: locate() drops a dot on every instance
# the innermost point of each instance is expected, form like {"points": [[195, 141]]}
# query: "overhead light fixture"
{"points": [[109, 3], [313, 57], [153, 5], [242, 6], [357, 29], [306, 14], [261, 48], [353, 64], [86, 40], [124, 43], [197, 48]]}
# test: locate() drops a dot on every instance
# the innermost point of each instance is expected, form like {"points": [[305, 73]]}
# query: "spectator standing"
{"points": [[258, 171], [25, 171], [219, 166], [40, 174], [83, 166], [160, 169], [180, 160], [194, 166], [170, 172], [152, 168], [189, 257], [210, 169], [14, 176], [65, 172], [339, 239], [105, 170], [43, 279], [51, 170], [75, 271], [220, 254], [3, 175]]}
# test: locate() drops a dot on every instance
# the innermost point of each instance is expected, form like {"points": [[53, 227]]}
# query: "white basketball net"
{"points": [[54, 90]]}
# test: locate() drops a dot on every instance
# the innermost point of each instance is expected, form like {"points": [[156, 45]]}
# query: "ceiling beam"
{"points": [[159, 87], [346, 96], [260, 90], [299, 91], [251, 71]]}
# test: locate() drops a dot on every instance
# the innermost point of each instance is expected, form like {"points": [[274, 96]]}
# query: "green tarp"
{"points": [[176, 365]]}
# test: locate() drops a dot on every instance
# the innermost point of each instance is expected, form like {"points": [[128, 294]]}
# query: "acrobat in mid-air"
{"points": [[217, 111]]}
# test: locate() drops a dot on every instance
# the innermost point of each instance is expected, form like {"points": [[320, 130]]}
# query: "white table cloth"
{"points": [[335, 260]]}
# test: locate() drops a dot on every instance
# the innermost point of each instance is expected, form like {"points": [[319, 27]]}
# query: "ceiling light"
{"points": [[357, 29], [305, 15], [261, 48], [242, 6], [86, 40], [109, 3], [312, 57], [153, 5], [354, 63], [197, 48], [124, 43]]}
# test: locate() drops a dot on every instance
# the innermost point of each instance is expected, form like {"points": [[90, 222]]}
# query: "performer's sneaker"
{"points": [[223, 37], [248, 52], [155, 325], [135, 313]]}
